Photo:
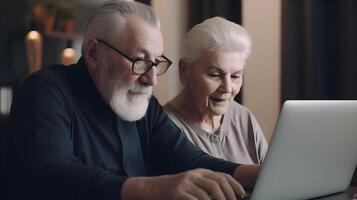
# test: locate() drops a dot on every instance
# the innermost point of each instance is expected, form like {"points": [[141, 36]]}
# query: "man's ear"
{"points": [[183, 72], [91, 53]]}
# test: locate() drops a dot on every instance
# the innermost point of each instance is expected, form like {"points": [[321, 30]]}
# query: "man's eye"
{"points": [[160, 59], [213, 75], [140, 58]]}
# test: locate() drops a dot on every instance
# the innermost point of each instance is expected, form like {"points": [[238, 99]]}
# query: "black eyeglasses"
{"points": [[141, 65]]}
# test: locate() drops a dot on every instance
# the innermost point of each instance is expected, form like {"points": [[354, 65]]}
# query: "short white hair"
{"points": [[215, 34], [109, 20]]}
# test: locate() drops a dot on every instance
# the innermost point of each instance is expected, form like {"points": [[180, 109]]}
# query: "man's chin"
{"points": [[131, 110], [138, 97]]}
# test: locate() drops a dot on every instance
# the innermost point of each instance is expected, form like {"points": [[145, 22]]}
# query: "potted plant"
{"points": [[36, 15], [66, 14], [49, 18]]}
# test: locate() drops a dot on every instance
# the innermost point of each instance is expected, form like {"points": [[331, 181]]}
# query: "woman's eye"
{"points": [[235, 77]]}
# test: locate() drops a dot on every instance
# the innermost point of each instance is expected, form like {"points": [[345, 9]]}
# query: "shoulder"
{"points": [[46, 88], [50, 72], [51, 76], [170, 111], [240, 116], [174, 115], [238, 110], [47, 78], [40, 94]]}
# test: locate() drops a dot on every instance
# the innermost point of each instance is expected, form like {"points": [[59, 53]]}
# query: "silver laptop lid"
{"points": [[313, 151]]}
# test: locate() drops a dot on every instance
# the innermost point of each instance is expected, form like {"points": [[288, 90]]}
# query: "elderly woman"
{"points": [[211, 70]]}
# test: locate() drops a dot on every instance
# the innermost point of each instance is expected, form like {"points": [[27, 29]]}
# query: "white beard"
{"points": [[130, 102]]}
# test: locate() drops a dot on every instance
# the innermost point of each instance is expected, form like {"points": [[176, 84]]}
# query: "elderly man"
{"points": [[93, 131]]}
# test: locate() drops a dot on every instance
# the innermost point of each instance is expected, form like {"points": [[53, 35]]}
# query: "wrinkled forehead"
{"points": [[223, 59]]}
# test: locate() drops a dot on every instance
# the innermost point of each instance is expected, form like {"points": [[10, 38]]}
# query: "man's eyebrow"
{"points": [[146, 53]]}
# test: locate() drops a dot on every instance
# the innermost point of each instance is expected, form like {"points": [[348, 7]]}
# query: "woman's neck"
{"points": [[192, 113]]}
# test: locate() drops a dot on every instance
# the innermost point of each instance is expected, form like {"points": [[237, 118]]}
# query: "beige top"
{"points": [[239, 139]]}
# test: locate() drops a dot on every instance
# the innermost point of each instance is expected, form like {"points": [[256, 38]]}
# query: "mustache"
{"points": [[138, 87]]}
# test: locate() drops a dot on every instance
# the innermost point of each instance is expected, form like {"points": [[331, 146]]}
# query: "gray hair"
{"points": [[109, 20], [215, 34]]}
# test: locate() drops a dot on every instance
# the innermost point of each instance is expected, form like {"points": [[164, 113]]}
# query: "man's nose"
{"points": [[150, 77]]}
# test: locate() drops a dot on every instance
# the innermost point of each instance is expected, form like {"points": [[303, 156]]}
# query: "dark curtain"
{"points": [[319, 50], [199, 10], [144, 1]]}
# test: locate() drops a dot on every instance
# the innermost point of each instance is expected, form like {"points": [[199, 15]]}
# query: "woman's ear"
{"points": [[183, 72], [91, 53]]}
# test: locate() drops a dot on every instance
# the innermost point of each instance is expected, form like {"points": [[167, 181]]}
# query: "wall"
{"points": [[261, 92], [173, 16]]}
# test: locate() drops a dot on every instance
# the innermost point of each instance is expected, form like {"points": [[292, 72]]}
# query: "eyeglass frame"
{"points": [[134, 60]]}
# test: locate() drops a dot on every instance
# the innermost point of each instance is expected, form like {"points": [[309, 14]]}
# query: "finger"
{"points": [[224, 184], [198, 192], [237, 187], [211, 187]]}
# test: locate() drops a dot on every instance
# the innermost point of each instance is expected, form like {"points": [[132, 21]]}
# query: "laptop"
{"points": [[313, 151]]}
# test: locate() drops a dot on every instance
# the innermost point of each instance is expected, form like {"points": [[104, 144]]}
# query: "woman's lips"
{"points": [[219, 99]]}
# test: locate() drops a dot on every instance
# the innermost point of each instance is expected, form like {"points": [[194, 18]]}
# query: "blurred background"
{"points": [[302, 49]]}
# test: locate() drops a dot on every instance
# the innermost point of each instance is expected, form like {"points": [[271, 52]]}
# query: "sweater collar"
{"points": [[85, 88]]}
